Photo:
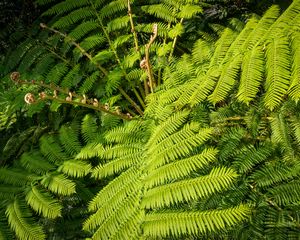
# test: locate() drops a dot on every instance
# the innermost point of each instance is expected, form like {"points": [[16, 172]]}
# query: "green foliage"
{"points": [[211, 153]]}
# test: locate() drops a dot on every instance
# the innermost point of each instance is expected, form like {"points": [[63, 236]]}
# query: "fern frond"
{"points": [[75, 16], [294, 91], [188, 11], [88, 44], [59, 184], [64, 7], [129, 133], [203, 85], [16, 56], [190, 189], [83, 29], [278, 71], [193, 223], [36, 163], [274, 173], [43, 203], [72, 77], [202, 51], [250, 156], [16, 177], [177, 145], [180, 169], [118, 23], [222, 46], [9, 192], [42, 68], [226, 81], [281, 134], [252, 75], [103, 56], [89, 82], [75, 168], [89, 128], [19, 220], [113, 7], [52, 150], [113, 80], [103, 216], [162, 11], [262, 28], [69, 140], [115, 166], [285, 194], [90, 150], [121, 150], [124, 184], [119, 41], [57, 72], [31, 56], [168, 127]]}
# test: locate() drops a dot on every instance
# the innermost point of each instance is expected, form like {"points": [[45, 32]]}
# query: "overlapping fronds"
{"points": [[163, 171]]}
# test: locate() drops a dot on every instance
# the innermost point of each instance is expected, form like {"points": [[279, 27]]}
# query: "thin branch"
{"points": [[136, 43], [99, 66], [147, 58]]}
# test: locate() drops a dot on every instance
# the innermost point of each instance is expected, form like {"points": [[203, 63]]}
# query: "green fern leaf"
{"points": [[43, 203], [35, 162], [63, 7], [193, 223], [118, 23], [252, 75], [190, 189], [75, 168], [15, 177], [52, 150], [278, 71], [189, 11], [294, 91], [162, 11], [59, 184], [113, 7], [75, 16], [226, 81], [180, 169], [19, 220], [69, 140], [83, 29]]}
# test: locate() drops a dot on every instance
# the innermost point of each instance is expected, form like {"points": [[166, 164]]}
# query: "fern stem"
{"points": [[99, 66], [147, 58], [136, 43], [120, 64], [89, 104], [174, 43], [97, 108], [133, 103]]}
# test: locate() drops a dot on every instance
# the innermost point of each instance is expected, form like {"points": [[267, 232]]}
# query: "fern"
{"points": [[42, 203], [18, 215], [59, 184]]}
